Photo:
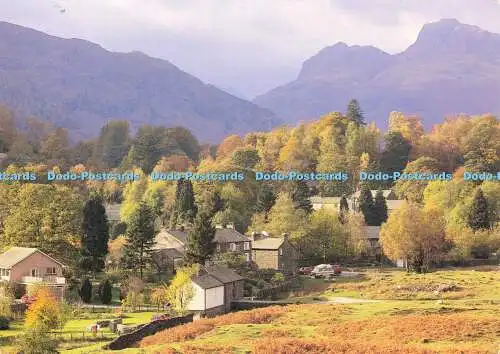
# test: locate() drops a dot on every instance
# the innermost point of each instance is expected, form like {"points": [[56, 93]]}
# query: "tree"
{"points": [[301, 195], [105, 292], [140, 236], [86, 291], [185, 209], [245, 158], [265, 199], [95, 235], [396, 153], [8, 129], [55, 149], [180, 291], [200, 240], [36, 340], [379, 209], [186, 141], [45, 312], [112, 145], [355, 113], [343, 209], [413, 190], [6, 300], [479, 216], [414, 234], [366, 206]]}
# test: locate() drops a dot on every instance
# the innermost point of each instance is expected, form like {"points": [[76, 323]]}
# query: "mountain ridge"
{"points": [[79, 85], [451, 68]]}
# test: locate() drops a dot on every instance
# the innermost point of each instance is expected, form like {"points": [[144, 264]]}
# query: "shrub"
{"points": [[4, 323], [36, 340], [132, 301], [86, 291], [105, 292], [45, 313]]}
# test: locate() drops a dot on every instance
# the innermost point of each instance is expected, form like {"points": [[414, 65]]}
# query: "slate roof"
{"points": [[179, 234], [385, 192], [229, 235], [206, 281], [270, 243], [171, 253], [17, 254], [223, 274]]}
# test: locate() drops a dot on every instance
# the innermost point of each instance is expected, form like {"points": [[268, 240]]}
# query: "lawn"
{"points": [[74, 337], [447, 311]]}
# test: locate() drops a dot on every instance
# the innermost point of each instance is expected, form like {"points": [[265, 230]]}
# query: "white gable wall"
{"points": [[214, 297]]}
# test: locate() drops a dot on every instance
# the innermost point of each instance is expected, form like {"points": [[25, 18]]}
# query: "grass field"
{"points": [[448, 311]]}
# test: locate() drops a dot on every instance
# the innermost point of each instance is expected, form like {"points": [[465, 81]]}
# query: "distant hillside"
{"points": [[451, 68], [79, 85]]}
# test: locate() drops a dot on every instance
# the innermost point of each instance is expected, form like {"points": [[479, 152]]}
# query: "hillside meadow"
{"points": [[447, 311]]}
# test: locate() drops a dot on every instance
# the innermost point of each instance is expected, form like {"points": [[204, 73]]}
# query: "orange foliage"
{"points": [[176, 163], [45, 312], [227, 147], [205, 348]]}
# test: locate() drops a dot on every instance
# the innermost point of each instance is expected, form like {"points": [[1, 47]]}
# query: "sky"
{"points": [[243, 46]]}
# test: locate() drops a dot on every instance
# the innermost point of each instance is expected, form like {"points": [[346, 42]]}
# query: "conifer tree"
{"points": [[140, 236], [366, 205], [344, 209], [265, 200], [105, 293], [355, 113], [379, 209], [200, 241], [185, 208], [300, 194], [95, 235], [479, 216], [86, 291]]}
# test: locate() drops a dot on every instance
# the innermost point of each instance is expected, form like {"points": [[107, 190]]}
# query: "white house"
{"points": [[208, 299]]}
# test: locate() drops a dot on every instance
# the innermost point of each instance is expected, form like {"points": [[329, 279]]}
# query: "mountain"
{"points": [[452, 68], [79, 85]]}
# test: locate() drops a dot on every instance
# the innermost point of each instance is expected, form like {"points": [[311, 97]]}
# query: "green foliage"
{"points": [[185, 209], [4, 323], [301, 195], [355, 113], [95, 235], [180, 291], [396, 153], [200, 240], [112, 145], [366, 206], [36, 341], [265, 199], [139, 238], [245, 158], [132, 301], [380, 209], [479, 217], [86, 291], [343, 208], [105, 292]]}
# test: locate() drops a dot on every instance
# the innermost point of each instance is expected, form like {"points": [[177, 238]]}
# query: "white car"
{"points": [[325, 271]]}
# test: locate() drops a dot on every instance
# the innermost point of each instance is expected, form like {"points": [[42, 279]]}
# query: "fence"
{"points": [[129, 339]]}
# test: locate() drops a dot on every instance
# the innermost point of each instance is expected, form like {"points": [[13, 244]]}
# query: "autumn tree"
{"points": [[8, 129], [414, 234], [245, 158], [180, 292], [45, 312], [413, 189], [140, 236], [55, 148], [95, 235], [112, 144], [200, 240]]}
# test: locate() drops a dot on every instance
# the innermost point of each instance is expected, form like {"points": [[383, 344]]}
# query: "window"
{"points": [[246, 246], [34, 272], [281, 251], [218, 247], [248, 257], [232, 246], [51, 271]]}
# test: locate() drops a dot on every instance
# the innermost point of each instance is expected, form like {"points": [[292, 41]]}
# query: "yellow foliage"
{"points": [[45, 312]]}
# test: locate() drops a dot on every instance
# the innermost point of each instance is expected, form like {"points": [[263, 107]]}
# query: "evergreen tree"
{"points": [[479, 218], [185, 208], [200, 241], [265, 199], [379, 208], [344, 209], [216, 203], [140, 236], [355, 113], [86, 291], [105, 292], [366, 205], [396, 153], [301, 194], [95, 235]]}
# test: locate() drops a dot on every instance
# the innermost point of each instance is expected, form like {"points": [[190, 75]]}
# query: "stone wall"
{"points": [[266, 259], [129, 339]]}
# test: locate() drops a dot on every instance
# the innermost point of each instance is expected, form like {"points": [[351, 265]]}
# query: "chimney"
{"points": [[285, 236], [252, 236]]}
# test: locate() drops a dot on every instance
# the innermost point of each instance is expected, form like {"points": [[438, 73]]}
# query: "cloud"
{"points": [[249, 45]]}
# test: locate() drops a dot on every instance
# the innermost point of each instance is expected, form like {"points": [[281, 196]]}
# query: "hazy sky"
{"points": [[247, 46]]}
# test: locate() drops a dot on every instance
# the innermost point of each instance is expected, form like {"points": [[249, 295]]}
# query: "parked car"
{"points": [[326, 271], [305, 270]]}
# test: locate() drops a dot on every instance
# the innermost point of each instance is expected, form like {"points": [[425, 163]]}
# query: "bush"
{"points": [[36, 340], [86, 291], [118, 229], [105, 292], [4, 323]]}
